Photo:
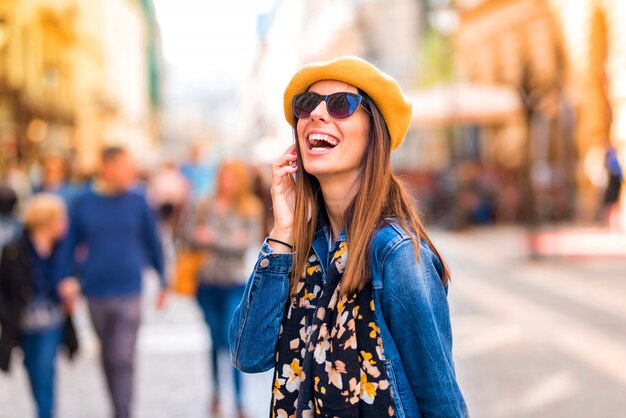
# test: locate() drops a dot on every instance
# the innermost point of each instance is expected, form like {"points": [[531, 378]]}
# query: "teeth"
{"points": [[321, 137]]}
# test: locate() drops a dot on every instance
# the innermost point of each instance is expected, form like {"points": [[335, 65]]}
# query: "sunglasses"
{"points": [[339, 105]]}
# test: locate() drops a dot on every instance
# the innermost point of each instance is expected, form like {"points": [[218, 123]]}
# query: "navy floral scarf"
{"points": [[330, 360]]}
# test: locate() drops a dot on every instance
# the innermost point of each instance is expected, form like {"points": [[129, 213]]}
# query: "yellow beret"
{"points": [[383, 89]]}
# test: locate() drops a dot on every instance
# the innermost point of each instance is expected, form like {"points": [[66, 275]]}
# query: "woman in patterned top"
{"points": [[348, 299], [225, 226]]}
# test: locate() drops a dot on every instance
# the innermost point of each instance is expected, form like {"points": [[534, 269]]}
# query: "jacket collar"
{"points": [[322, 245]]}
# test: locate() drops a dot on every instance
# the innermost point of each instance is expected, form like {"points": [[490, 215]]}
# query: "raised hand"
{"points": [[283, 198]]}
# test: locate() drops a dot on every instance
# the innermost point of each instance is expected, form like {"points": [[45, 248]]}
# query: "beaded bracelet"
{"points": [[292, 247]]}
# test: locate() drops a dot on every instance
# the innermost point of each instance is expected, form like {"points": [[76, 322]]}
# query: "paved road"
{"points": [[172, 371], [536, 339], [544, 339]]}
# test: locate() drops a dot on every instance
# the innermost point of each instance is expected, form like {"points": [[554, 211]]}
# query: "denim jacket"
{"points": [[412, 313]]}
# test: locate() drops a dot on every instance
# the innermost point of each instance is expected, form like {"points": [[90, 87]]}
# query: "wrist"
{"points": [[285, 235], [281, 242]]}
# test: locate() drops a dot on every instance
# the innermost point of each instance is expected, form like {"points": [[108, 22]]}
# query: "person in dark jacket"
{"points": [[10, 227], [37, 315]]}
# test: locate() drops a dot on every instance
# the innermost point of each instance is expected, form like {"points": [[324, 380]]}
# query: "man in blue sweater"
{"points": [[114, 232]]}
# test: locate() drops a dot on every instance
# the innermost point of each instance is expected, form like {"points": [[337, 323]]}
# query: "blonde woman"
{"points": [[225, 227], [348, 298], [38, 309]]}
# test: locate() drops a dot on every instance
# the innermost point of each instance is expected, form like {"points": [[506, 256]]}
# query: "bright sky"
{"points": [[209, 39]]}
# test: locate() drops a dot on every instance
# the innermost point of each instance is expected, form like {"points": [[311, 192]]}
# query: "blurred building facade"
{"points": [[75, 75], [566, 60]]}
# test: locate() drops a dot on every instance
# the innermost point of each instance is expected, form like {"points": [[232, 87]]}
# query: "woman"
{"points": [[37, 309], [225, 227], [364, 335]]}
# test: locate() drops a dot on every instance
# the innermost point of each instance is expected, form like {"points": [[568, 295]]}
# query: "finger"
{"points": [[292, 149], [280, 173], [283, 160], [290, 154]]}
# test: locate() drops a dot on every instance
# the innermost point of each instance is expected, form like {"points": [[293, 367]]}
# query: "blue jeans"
{"points": [[40, 350], [218, 305]]}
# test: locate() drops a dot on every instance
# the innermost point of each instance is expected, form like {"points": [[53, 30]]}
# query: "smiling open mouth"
{"points": [[321, 141]]}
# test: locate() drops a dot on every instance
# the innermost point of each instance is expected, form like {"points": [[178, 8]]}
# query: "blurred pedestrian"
{"points": [[10, 227], [168, 190], [55, 178], [117, 229], [225, 227], [34, 316], [15, 176], [611, 197], [52, 173], [348, 298], [199, 173]]}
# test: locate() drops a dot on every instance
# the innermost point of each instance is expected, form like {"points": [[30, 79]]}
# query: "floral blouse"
{"points": [[330, 360]]}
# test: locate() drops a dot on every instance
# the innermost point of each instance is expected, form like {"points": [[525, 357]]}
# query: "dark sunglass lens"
{"points": [[305, 103], [342, 105]]}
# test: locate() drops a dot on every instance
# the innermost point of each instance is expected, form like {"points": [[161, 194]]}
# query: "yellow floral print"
{"points": [[294, 375], [336, 341]]}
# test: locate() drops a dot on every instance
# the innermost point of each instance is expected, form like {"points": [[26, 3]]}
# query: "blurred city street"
{"points": [[536, 339], [514, 151]]}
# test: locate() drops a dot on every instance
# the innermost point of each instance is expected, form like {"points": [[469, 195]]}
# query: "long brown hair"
{"points": [[380, 195]]}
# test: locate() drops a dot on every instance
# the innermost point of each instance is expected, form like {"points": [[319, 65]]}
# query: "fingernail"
{"points": [[294, 165]]}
